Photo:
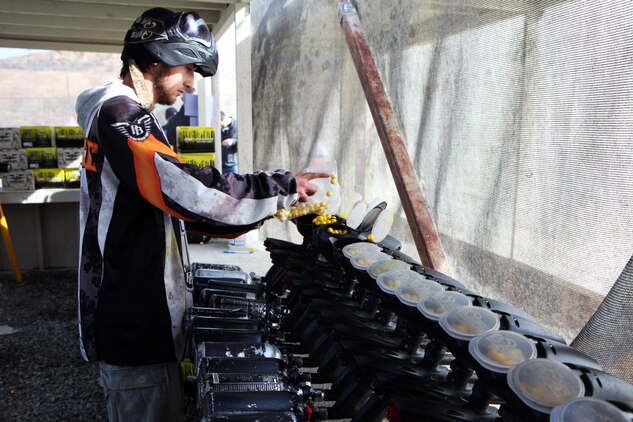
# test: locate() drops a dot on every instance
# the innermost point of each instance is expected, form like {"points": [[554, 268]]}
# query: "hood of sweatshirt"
{"points": [[89, 101]]}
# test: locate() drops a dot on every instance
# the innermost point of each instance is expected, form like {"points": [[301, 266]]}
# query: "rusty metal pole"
{"points": [[421, 223]]}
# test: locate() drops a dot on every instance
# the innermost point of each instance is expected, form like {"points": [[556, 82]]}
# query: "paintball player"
{"points": [[135, 194], [228, 130]]}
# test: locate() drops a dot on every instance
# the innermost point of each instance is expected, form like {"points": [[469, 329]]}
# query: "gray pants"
{"points": [[150, 393]]}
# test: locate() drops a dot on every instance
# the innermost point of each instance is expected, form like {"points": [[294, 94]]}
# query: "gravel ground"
{"points": [[42, 374]]}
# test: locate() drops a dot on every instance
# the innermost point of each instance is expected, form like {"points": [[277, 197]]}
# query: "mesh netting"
{"points": [[517, 120], [608, 333]]}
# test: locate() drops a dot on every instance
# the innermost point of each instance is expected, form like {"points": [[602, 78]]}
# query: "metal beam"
{"points": [[60, 45], [45, 21], [54, 9], [82, 35], [86, 10], [196, 5], [421, 223]]}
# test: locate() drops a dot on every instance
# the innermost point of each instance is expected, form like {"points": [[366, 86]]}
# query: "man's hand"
{"points": [[305, 189], [228, 142]]}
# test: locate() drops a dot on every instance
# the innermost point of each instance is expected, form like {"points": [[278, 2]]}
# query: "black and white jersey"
{"points": [[134, 191]]}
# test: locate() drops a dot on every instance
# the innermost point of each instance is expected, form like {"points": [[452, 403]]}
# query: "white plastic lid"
{"points": [[543, 384], [355, 249], [466, 322], [386, 265], [376, 202], [356, 214], [365, 259], [587, 409], [389, 281], [382, 225], [500, 350], [413, 292], [435, 305], [373, 210]]}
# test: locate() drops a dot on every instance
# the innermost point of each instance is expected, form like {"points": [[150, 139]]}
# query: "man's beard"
{"points": [[162, 96]]}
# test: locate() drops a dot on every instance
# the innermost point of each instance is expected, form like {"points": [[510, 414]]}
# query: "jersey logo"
{"points": [[138, 130]]}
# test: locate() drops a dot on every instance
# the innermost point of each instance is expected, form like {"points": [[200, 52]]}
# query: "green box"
{"points": [[69, 137], [48, 178], [195, 139], [40, 158], [200, 159], [36, 136], [72, 178]]}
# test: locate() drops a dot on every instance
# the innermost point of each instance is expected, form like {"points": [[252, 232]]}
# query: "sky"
{"points": [[6, 53]]}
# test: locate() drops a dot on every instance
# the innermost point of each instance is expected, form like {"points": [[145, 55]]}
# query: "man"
{"points": [[169, 114], [135, 193], [228, 130]]}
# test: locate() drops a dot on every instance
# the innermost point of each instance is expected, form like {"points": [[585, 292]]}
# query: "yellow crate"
{"points": [[72, 178], [48, 178], [68, 136], [38, 158], [200, 159], [195, 139], [36, 136]]}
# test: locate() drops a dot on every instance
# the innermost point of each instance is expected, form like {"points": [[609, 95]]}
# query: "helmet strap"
{"points": [[140, 87]]}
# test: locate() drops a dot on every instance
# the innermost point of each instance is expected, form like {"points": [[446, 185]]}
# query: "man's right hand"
{"points": [[305, 189]]}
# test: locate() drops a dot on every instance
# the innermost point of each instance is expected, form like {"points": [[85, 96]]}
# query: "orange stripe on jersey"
{"points": [[89, 151], [146, 175]]}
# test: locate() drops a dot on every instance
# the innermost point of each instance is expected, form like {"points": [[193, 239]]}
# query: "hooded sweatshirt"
{"points": [[135, 193]]}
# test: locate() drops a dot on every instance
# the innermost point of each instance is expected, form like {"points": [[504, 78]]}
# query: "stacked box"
{"points": [[201, 159], [10, 138], [48, 178], [15, 157], [17, 180], [69, 158], [39, 158], [68, 136], [195, 139], [36, 136], [35, 163], [72, 178]]}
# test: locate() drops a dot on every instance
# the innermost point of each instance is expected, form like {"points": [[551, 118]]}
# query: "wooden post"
{"points": [[423, 228]]}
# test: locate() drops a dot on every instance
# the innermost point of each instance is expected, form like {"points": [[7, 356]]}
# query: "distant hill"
{"points": [[71, 61], [41, 89]]}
